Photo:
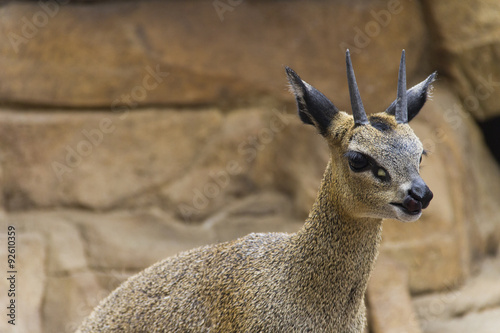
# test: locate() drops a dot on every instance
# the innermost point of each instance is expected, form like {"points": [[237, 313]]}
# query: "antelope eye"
{"points": [[357, 161]]}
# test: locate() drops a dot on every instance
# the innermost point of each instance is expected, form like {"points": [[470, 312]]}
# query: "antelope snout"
{"points": [[419, 196]]}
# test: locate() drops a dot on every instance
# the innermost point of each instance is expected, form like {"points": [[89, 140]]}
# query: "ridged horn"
{"points": [[402, 102], [358, 111]]}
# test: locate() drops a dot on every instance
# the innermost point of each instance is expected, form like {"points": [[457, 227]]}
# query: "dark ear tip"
{"points": [[427, 82], [296, 84], [290, 73], [431, 78]]}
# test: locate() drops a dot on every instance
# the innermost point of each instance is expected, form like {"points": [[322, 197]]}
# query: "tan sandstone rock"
{"points": [[389, 301], [147, 158], [96, 160], [29, 281], [472, 308], [192, 52], [469, 46], [485, 322]]}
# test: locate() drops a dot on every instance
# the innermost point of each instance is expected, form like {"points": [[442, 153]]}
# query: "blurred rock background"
{"points": [[130, 131]]}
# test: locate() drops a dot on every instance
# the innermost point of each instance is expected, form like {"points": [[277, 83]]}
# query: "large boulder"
{"points": [[120, 55], [468, 47], [389, 302], [97, 160], [474, 307], [191, 162]]}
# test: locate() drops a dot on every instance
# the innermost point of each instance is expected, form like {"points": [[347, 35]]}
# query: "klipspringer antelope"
{"points": [[310, 281]]}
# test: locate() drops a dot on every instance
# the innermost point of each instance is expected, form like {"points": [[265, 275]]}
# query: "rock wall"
{"points": [[468, 49], [132, 131]]}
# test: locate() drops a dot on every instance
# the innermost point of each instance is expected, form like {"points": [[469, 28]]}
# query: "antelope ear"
{"points": [[416, 95], [313, 107]]}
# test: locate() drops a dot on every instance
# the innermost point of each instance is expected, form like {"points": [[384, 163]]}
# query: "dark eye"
{"points": [[357, 161]]}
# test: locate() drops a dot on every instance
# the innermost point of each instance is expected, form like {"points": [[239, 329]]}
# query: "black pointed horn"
{"points": [[358, 111], [402, 102]]}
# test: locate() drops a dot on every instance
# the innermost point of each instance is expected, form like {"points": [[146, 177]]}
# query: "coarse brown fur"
{"points": [[310, 281]]}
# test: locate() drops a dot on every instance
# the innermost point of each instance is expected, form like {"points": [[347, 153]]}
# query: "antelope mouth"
{"points": [[414, 208]]}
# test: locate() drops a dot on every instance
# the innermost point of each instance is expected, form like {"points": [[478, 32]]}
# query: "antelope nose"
{"points": [[420, 192]]}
